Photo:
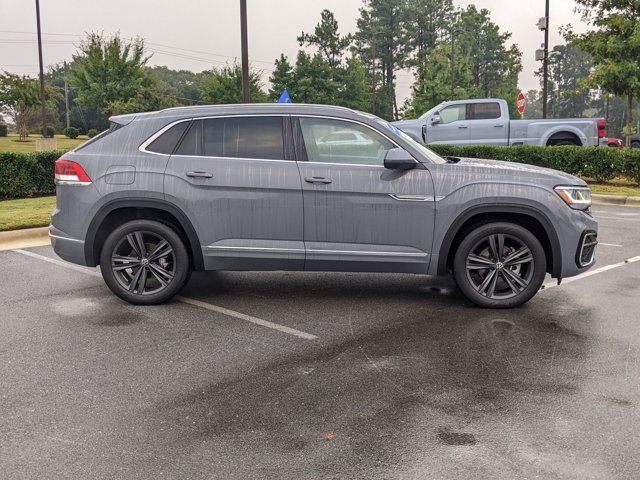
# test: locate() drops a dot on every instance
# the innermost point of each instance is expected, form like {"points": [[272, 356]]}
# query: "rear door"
{"points": [[453, 128], [358, 215], [237, 180], [487, 124]]}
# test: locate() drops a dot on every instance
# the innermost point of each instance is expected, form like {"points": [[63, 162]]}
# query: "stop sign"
{"points": [[522, 103]]}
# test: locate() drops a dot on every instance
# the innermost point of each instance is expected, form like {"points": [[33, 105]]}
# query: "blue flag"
{"points": [[284, 97]]}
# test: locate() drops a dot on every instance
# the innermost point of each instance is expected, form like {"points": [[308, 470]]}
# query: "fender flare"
{"points": [[563, 129], [107, 208], [541, 217]]}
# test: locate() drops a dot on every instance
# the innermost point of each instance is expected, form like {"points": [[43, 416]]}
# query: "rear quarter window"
{"points": [[167, 142]]}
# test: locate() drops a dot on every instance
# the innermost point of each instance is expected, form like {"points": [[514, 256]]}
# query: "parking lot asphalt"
{"points": [[306, 375]]}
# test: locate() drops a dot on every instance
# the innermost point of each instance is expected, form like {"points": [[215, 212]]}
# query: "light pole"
{"points": [[543, 24], [246, 97], [43, 109]]}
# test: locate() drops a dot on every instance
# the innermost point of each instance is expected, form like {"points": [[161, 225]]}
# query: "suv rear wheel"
{"points": [[144, 262], [499, 265]]}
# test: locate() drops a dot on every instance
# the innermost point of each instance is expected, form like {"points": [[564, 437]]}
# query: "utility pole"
{"points": [[66, 101], [246, 97], [453, 65], [545, 61], [42, 97], [373, 76]]}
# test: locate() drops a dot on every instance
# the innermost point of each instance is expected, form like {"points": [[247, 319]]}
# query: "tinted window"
{"points": [[244, 137], [166, 143], [484, 111], [357, 144], [192, 141], [453, 113]]}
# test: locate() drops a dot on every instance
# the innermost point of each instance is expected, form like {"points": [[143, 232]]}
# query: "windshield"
{"points": [[429, 112], [430, 154]]}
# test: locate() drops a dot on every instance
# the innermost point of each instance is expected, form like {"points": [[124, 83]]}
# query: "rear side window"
{"points": [[484, 111], [166, 143], [244, 137]]}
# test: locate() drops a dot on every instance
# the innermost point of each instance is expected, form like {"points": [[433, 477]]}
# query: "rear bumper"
{"points": [[66, 247]]}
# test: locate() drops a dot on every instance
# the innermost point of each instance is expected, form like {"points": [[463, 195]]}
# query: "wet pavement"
{"points": [[398, 377]]}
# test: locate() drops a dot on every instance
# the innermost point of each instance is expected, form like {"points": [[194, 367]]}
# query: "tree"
{"points": [[110, 72], [382, 43], [326, 38], [313, 81], [282, 77], [614, 45], [428, 23], [224, 85], [20, 100], [179, 84], [355, 92], [569, 67]]}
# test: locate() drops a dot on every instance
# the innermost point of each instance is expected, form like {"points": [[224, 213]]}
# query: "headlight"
{"points": [[578, 198]]}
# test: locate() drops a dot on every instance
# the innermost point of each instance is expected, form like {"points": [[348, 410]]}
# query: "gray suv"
{"points": [[314, 188]]}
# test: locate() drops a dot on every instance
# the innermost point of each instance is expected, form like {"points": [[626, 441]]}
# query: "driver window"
{"points": [[337, 141], [453, 113]]}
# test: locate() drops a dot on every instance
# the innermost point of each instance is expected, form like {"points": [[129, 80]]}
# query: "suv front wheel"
{"points": [[499, 265], [144, 262]]}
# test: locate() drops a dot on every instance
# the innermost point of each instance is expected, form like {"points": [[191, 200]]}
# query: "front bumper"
{"points": [[67, 248]]}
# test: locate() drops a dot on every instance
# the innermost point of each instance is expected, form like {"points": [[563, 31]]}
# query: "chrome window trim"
{"points": [[143, 147]]}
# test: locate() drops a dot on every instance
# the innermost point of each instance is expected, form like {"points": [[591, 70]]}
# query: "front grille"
{"points": [[587, 249]]}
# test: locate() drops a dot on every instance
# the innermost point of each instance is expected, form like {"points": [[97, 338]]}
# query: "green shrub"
{"points": [[26, 174], [92, 132], [4, 130], [71, 132], [50, 132], [600, 163]]}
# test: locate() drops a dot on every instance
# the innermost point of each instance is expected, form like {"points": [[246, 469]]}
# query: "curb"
{"points": [[28, 237], [598, 199]]}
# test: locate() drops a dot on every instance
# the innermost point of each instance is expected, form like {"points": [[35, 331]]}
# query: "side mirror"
{"points": [[436, 119], [399, 159]]}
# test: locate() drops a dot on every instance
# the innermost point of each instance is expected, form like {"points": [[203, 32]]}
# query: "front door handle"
{"points": [[462, 126], [199, 174], [499, 125], [317, 180]]}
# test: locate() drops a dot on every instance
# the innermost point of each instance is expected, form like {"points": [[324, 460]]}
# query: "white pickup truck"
{"points": [[486, 122]]}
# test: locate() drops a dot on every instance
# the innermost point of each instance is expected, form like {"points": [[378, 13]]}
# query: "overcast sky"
{"points": [[195, 34]]}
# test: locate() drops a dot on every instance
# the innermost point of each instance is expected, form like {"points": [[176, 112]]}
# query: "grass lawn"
{"points": [[26, 213], [11, 143], [617, 186]]}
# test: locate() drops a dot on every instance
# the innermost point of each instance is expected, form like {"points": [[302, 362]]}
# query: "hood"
{"points": [[512, 170]]}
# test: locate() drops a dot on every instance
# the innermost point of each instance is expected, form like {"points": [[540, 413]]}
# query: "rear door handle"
{"points": [[462, 126], [499, 125], [199, 174], [317, 180]]}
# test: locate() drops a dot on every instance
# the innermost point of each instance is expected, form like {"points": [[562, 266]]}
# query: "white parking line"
{"points": [[189, 301], [589, 273], [602, 244]]}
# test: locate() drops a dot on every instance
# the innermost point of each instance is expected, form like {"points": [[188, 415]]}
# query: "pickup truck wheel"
{"points": [[144, 262], [635, 144], [499, 265], [562, 143]]}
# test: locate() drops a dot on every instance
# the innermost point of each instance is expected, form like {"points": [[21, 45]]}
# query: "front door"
{"points": [[453, 128], [358, 215], [236, 178]]}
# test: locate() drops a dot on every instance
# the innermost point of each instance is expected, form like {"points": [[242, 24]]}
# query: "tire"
{"points": [[516, 280], [162, 272], [635, 144], [563, 143]]}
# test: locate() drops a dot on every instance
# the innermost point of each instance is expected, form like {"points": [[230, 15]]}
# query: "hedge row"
{"points": [[27, 174], [599, 163]]}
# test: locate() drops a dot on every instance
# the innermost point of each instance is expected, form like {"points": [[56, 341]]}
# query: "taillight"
{"points": [[70, 173], [602, 128]]}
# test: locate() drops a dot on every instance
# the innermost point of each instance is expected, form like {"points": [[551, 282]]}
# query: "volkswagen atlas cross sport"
{"points": [[269, 187]]}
